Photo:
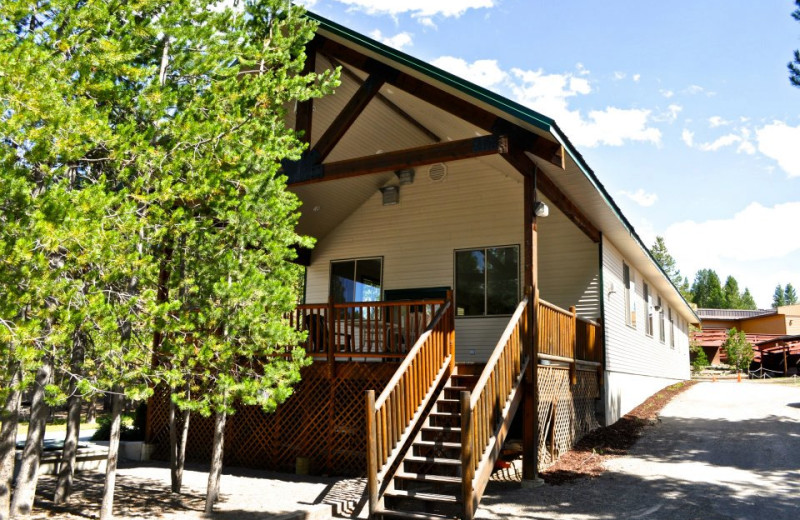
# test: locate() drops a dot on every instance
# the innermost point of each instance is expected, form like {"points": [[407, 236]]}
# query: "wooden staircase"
{"points": [[428, 483]]}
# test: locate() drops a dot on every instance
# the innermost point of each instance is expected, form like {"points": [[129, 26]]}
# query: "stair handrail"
{"points": [[483, 409], [397, 411]]}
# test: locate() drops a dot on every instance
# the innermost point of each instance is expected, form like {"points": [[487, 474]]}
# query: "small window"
{"points": [[662, 330], [630, 294], [356, 280], [671, 329], [648, 322], [487, 281]]}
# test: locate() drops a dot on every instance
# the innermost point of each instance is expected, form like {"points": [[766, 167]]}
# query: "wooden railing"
{"points": [[394, 415], [491, 403], [365, 329], [565, 336]]}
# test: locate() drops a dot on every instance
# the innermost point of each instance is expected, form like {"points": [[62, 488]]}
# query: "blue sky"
{"points": [[683, 109]]}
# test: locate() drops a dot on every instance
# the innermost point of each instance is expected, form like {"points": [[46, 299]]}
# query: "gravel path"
{"points": [[722, 450]]}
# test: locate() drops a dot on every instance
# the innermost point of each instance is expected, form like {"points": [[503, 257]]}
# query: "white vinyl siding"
{"points": [[475, 206], [569, 265], [633, 359]]}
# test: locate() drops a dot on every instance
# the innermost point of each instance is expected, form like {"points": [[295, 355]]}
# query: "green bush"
{"points": [[132, 427]]}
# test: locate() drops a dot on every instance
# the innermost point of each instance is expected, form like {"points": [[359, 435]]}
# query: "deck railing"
{"points": [[385, 330], [487, 406], [566, 337], [394, 414]]}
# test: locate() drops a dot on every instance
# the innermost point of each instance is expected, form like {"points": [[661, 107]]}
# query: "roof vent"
{"points": [[437, 172]]}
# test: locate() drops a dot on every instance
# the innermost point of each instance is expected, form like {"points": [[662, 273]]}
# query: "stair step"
{"points": [[427, 477], [413, 516], [442, 429], [427, 497], [433, 460], [439, 444]]}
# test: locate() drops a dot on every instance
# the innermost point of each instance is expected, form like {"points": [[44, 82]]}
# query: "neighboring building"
{"points": [[434, 200], [764, 328]]}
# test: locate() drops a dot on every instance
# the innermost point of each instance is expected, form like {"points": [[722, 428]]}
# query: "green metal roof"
{"points": [[504, 104]]}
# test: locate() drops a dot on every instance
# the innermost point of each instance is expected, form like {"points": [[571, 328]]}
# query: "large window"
{"points": [[662, 328], [356, 280], [487, 281], [630, 295], [671, 329]]}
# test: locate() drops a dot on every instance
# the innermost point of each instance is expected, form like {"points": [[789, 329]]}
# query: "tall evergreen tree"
{"points": [[794, 66], [747, 300], [778, 297], [733, 300], [661, 254], [789, 295], [707, 290]]}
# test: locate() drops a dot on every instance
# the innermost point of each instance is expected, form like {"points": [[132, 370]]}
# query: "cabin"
{"points": [[774, 334], [472, 281]]}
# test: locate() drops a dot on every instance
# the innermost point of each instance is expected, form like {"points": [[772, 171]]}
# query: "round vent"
{"points": [[437, 172]]}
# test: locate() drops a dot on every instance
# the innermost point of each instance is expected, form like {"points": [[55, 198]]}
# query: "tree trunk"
{"points": [[214, 475], [177, 446], [8, 441], [67, 469], [106, 509], [91, 411], [28, 477]]}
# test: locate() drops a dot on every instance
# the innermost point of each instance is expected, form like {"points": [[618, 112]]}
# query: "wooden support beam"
{"points": [[523, 164], [545, 149], [368, 90], [305, 109], [530, 404], [389, 103], [399, 159]]}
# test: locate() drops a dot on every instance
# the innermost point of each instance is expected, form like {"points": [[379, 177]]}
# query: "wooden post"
{"points": [[530, 431], [372, 454], [467, 457], [785, 360], [330, 344], [573, 336], [451, 330]]}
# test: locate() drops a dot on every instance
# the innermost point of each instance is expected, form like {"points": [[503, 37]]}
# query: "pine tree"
{"points": [[661, 255], [778, 297], [739, 350], [789, 295], [707, 290], [794, 66], [747, 300], [732, 298]]}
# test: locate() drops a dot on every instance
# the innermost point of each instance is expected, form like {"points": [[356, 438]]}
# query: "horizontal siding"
{"points": [[629, 350], [474, 206], [569, 266]]}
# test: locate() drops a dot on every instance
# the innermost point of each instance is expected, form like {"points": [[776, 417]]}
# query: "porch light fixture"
{"points": [[390, 195], [540, 209], [405, 176]]}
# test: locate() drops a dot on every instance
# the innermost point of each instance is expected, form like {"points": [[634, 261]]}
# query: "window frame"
{"points": [[485, 313], [629, 290], [648, 319], [662, 330], [671, 329], [355, 261]]}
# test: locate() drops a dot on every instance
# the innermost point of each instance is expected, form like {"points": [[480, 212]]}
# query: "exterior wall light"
{"points": [[540, 209], [405, 176], [390, 195]]}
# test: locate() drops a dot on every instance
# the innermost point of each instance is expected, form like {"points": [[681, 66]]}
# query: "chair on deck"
{"points": [[318, 335]]}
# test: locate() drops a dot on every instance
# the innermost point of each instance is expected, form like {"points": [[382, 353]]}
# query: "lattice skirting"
{"points": [[566, 411], [323, 422]]}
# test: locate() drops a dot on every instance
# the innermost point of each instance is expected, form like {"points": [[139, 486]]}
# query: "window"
{"points": [[487, 281], [356, 280], [630, 294], [648, 322], [671, 330], [661, 331]]}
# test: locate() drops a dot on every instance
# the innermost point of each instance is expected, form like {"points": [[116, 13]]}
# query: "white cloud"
{"points": [[670, 115], [550, 93], [720, 142], [398, 41], [619, 75], [666, 93], [688, 137], [779, 141], [637, 77], [418, 8], [715, 121], [748, 245], [641, 197], [485, 73]]}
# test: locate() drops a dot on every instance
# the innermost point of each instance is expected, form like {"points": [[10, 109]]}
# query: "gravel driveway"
{"points": [[723, 450]]}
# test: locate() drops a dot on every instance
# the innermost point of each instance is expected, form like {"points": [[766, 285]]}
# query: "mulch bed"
{"points": [[586, 459]]}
